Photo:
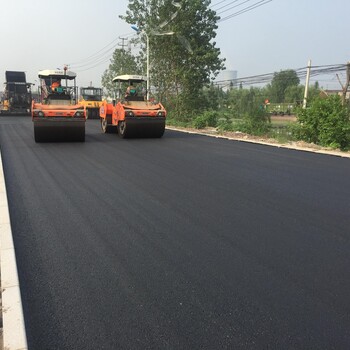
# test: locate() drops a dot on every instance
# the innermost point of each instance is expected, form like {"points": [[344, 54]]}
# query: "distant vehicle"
{"points": [[132, 115], [58, 116], [17, 98], [91, 98], [281, 108]]}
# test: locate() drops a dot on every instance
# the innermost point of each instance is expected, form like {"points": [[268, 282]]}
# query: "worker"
{"points": [[131, 90], [55, 85]]}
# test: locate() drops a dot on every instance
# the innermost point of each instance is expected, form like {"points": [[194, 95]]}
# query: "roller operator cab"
{"points": [[131, 115], [58, 116]]}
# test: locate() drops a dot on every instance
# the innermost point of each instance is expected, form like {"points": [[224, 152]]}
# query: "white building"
{"points": [[226, 79]]}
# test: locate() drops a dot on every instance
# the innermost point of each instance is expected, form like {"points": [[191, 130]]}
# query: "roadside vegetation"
{"points": [[184, 65]]}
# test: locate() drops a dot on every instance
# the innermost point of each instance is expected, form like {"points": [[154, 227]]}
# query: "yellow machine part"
{"points": [[5, 105], [92, 108]]}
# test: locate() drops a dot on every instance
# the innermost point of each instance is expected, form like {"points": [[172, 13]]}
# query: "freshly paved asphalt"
{"points": [[184, 242]]}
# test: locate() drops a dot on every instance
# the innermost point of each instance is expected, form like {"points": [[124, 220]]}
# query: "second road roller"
{"points": [[58, 116], [132, 115]]}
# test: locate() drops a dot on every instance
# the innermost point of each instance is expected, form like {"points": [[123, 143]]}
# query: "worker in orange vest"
{"points": [[55, 85]]}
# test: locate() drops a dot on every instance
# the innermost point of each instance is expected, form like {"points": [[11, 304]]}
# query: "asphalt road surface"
{"points": [[184, 242]]}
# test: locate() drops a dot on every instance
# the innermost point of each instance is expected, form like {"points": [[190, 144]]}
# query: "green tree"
{"points": [[122, 62], [314, 91], [214, 97], [294, 94], [181, 64], [280, 83], [246, 101]]}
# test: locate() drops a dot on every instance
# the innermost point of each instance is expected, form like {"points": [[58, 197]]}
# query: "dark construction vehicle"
{"points": [[17, 98]]}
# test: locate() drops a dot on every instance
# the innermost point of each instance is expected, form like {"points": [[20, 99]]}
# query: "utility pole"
{"points": [[306, 92], [148, 79], [122, 44], [345, 87]]}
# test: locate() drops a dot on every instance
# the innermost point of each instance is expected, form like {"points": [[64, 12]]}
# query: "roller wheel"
{"points": [[106, 129], [106, 125], [80, 135], [38, 137], [122, 129]]}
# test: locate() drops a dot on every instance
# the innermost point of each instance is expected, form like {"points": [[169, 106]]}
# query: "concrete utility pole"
{"points": [[122, 44], [148, 78], [306, 92], [345, 87]]}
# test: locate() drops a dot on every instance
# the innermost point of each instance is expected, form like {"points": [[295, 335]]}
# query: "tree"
{"points": [[181, 64], [122, 62], [294, 93], [246, 101], [280, 82]]}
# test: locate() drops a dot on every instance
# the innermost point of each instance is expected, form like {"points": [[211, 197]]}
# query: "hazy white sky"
{"points": [[283, 34]]}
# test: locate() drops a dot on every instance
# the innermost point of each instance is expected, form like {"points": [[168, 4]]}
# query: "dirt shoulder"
{"points": [[239, 136]]}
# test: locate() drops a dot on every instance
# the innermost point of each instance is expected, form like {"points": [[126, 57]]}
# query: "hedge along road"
{"points": [[184, 242]]}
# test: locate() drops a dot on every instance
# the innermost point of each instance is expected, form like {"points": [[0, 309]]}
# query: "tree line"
{"points": [[183, 67]]}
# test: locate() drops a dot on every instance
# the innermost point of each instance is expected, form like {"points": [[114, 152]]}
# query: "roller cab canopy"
{"points": [[129, 78], [57, 74]]}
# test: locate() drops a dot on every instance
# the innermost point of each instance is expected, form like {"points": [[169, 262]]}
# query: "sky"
{"points": [[282, 34]]}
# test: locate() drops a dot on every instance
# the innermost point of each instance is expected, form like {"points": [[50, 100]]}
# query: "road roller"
{"points": [[58, 116], [91, 98], [131, 114]]}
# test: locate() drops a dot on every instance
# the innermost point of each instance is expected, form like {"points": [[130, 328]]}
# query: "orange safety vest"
{"points": [[55, 85]]}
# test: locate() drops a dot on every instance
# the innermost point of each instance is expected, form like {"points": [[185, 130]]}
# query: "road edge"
{"points": [[286, 146], [14, 332]]}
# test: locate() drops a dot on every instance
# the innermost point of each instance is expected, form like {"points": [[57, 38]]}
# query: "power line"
{"points": [[247, 9], [220, 2], [122, 44], [100, 54], [300, 72], [230, 3]]}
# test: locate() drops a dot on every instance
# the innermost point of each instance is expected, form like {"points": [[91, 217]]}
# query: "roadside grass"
{"points": [[280, 126], [281, 129]]}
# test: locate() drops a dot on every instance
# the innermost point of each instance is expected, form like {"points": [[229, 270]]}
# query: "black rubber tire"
{"points": [[37, 135], [122, 129], [106, 126]]}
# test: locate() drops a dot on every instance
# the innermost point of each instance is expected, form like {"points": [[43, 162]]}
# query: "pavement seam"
{"points": [[14, 332]]}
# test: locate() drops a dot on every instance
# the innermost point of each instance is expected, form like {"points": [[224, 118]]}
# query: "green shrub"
{"points": [[257, 122], [200, 122], [225, 124], [208, 118], [326, 122]]}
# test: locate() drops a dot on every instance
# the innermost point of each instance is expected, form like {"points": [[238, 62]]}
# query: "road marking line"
{"points": [[14, 333]]}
